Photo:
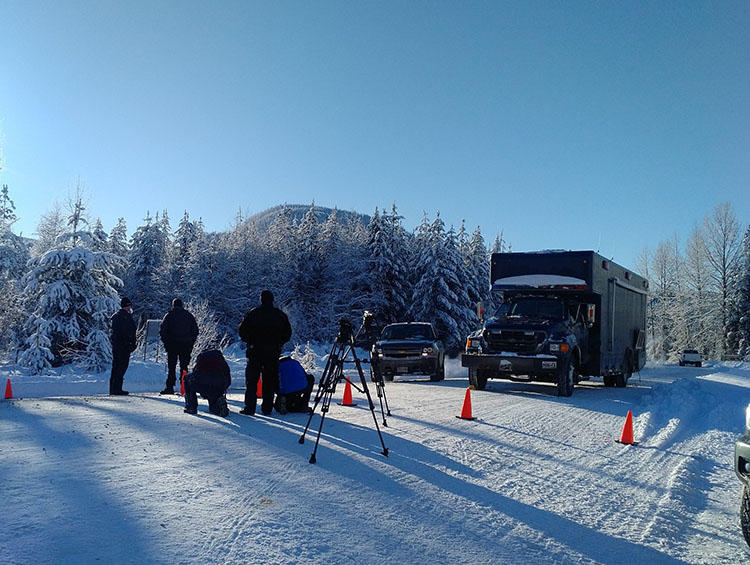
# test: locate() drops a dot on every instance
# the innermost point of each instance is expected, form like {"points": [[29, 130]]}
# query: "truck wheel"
{"points": [[609, 380], [566, 378], [621, 379], [477, 379], [388, 377], [745, 514]]}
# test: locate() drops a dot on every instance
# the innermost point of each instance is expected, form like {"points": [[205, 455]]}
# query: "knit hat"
{"points": [[125, 302]]}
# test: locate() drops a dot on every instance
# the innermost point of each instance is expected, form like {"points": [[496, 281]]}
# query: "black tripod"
{"points": [[333, 374]]}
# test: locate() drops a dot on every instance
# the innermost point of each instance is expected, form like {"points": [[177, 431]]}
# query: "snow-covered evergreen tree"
{"points": [[280, 249], [7, 209], [71, 288], [307, 358], [179, 255], [145, 279], [99, 238], [388, 272], [307, 311], [37, 355], [51, 226], [118, 239], [435, 299], [479, 268], [14, 254]]}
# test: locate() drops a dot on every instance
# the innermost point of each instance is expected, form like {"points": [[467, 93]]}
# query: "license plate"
{"points": [[402, 369], [549, 364]]}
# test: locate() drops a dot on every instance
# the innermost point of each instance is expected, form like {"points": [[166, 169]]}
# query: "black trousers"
{"points": [[120, 362], [210, 389], [267, 365], [181, 352]]}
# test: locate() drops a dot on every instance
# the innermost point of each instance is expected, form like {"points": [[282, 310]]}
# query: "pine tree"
{"points": [[14, 254], [72, 289], [306, 312], [435, 299], [99, 237], [145, 279], [279, 252], [7, 209], [50, 227], [118, 239]]}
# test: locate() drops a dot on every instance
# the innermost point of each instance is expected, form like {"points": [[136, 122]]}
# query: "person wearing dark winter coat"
{"points": [[178, 332], [211, 379], [122, 338], [265, 329]]}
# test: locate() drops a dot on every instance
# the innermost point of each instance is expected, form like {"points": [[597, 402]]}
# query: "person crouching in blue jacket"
{"points": [[295, 387], [210, 378]]}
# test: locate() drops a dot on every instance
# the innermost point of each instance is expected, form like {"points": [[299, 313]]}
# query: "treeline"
{"points": [[59, 290], [63, 288], [699, 296]]}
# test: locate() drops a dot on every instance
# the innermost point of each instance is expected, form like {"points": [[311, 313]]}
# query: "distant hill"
{"points": [[266, 217]]}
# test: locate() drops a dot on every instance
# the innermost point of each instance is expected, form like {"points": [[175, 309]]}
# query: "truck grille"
{"points": [[402, 353], [515, 341]]}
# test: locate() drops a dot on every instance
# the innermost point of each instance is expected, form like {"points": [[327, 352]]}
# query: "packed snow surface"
{"points": [[534, 479]]}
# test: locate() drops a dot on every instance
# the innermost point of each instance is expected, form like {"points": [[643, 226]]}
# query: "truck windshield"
{"points": [[533, 308], [411, 331]]}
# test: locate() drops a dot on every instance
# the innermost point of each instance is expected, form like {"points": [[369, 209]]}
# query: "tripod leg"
{"points": [[324, 410], [323, 385], [369, 399]]}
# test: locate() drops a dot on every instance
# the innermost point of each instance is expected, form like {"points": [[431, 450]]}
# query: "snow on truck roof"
{"points": [[539, 281]]}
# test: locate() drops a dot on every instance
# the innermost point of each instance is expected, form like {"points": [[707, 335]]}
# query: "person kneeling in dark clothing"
{"points": [[295, 387], [211, 379]]}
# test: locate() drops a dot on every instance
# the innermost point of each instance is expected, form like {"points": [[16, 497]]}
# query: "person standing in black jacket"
{"points": [[123, 344], [265, 329], [178, 332]]}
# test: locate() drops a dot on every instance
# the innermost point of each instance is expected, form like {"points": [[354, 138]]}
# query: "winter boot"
{"points": [[280, 404], [167, 390]]}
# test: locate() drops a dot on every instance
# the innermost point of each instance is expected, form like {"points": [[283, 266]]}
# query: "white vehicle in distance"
{"points": [[691, 357]]}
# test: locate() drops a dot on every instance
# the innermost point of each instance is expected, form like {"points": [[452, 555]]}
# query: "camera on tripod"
{"points": [[346, 329], [342, 352]]}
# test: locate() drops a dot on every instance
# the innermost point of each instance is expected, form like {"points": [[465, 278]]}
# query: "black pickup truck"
{"points": [[406, 349]]}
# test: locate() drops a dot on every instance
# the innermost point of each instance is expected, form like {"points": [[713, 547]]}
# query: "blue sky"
{"points": [[577, 125]]}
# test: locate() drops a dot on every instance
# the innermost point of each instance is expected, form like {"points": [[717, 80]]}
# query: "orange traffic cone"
{"points": [[259, 391], [627, 431], [466, 410], [347, 400], [8, 390], [182, 382]]}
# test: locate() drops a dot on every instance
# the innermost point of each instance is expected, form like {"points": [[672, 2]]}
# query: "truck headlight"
{"points": [[557, 347], [427, 351], [378, 352]]}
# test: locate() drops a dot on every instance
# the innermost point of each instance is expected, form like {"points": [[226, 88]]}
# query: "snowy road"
{"points": [[534, 479]]}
